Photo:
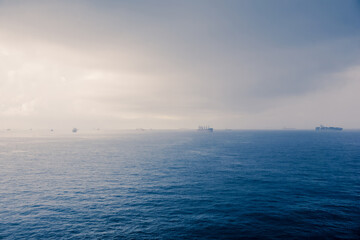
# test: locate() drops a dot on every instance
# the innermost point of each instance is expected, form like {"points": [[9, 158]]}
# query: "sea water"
{"points": [[180, 185]]}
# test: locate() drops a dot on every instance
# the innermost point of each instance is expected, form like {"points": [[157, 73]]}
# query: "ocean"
{"points": [[180, 185]]}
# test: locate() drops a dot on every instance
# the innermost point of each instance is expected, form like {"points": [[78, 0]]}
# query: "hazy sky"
{"points": [[179, 64]]}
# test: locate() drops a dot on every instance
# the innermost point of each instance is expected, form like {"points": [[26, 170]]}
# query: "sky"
{"points": [[165, 64]]}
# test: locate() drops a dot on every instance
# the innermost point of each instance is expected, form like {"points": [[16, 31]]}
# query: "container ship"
{"points": [[323, 128]]}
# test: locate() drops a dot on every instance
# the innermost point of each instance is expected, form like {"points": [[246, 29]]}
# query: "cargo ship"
{"points": [[205, 129], [323, 128]]}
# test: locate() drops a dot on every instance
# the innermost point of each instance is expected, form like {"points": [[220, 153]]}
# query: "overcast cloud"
{"points": [[174, 64]]}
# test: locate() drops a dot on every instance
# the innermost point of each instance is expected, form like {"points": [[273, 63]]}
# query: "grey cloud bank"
{"points": [[173, 64]]}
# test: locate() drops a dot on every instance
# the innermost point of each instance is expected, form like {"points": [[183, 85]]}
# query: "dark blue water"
{"points": [[181, 185]]}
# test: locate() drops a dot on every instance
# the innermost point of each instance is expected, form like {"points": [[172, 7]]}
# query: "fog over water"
{"points": [[178, 64]]}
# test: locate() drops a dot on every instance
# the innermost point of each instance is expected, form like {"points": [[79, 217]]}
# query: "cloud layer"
{"points": [[173, 64]]}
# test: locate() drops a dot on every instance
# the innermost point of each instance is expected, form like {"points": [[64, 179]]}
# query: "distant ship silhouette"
{"points": [[323, 128], [205, 129]]}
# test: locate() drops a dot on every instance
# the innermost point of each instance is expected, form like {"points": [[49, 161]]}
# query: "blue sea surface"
{"points": [[181, 185]]}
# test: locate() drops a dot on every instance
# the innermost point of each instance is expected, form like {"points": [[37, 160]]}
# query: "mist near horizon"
{"points": [[179, 64], [179, 119]]}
